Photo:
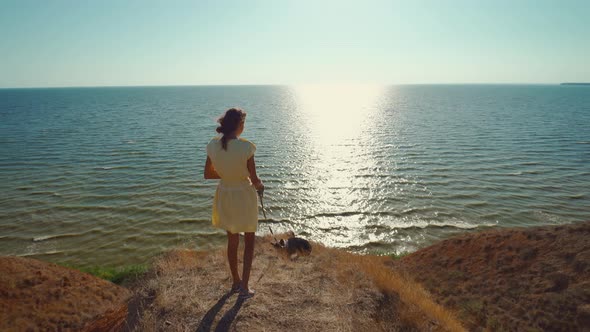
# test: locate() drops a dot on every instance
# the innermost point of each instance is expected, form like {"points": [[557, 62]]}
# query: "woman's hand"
{"points": [[256, 182]]}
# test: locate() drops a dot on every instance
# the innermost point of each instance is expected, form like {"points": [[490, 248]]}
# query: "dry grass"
{"points": [[418, 300], [330, 290]]}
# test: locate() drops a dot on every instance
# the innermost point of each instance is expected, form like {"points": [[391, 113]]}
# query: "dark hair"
{"points": [[229, 123]]}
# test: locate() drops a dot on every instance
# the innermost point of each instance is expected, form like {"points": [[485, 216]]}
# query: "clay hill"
{"points": [[528, 279], [40, 296]]}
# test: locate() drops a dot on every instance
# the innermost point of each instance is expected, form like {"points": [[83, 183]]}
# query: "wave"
{"points": [[492, 215], [371, 245], [180, 233], [55, 236], [67, 235], [44, 193], [524, 173], [107, 168], [127, 209], [157, 162], [461, 196], [190, 221], [25, 188], [454, 225], [404, 225], [355, 213], [576, 196], [170, 233], [387, 245], [275, 221], [50, 252], [476, 204], [10, 237], [427, 225], [338, 214]]}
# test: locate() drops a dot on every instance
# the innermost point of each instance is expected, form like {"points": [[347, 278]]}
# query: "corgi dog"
{"points": [[294, 245]]}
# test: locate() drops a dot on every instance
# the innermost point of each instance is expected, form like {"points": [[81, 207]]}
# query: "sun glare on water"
{"points": [[335, 112], [338, 121]]}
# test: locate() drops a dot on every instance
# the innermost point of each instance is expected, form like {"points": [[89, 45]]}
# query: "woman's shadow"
{"points": [[225, 321]]}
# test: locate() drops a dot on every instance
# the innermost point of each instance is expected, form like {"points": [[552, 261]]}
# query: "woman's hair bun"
{"points": [[229, 122]]}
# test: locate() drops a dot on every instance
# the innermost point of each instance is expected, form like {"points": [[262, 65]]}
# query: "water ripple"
{"points": [[390, 169]]}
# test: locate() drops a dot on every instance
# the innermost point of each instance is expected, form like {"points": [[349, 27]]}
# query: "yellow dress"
{"points": [[235, 205]]}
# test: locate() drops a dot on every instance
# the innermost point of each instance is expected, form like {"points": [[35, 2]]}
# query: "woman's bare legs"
{"points": [[248, 257], [233, 241]]}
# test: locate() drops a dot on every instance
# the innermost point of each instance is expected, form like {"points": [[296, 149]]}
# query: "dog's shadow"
{"points": [[227, 318]]}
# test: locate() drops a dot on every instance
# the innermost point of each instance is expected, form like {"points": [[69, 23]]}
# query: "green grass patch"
{"points": [[116, 275]]}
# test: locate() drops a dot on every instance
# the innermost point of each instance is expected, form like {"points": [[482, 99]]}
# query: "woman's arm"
{"points": [[210, 172], [253, 177]]}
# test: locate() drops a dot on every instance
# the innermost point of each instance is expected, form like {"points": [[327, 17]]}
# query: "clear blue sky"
{"points": [[103, 42]]}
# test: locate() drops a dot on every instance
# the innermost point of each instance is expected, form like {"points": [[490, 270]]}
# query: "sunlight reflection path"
{"points": [[340, 120]]}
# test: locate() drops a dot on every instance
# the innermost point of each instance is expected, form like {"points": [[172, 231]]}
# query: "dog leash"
{"points": [[261, 195]]}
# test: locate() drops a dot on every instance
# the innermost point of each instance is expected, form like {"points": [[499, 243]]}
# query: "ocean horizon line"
{"points": [[272, 84]]}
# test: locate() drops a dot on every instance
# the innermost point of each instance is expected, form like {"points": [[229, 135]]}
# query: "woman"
{"points": [[235, 205]]}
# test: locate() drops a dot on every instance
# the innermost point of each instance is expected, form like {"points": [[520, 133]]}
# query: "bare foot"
{"points": [[246, 293], [235, 287]]}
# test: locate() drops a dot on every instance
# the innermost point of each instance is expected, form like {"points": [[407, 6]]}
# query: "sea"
{"points": [[110, 176]]}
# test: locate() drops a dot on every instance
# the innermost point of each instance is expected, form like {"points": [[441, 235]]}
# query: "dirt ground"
{"points": [[330, 290], [522, 279]]}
